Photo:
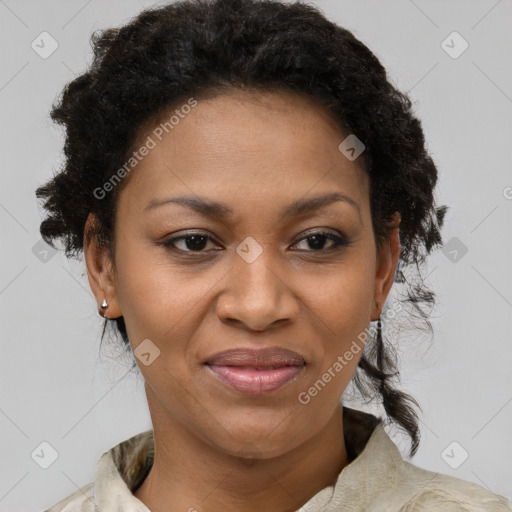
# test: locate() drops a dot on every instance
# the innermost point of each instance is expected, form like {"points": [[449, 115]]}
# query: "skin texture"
{"points": [[256, 153]]}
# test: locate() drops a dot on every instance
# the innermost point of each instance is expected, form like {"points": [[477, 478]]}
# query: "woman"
{"points": [[243, 182]]}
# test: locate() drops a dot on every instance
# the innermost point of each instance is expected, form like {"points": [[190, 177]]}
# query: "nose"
{"points": [[258, 295]]}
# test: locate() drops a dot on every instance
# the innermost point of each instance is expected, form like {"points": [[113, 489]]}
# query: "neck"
{"points": [[193, 475]]}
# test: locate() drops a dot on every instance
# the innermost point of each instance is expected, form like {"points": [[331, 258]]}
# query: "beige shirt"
{"points": [[377, 479]]}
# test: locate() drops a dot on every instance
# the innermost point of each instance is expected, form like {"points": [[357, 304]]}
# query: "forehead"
{"points": [[267, 146]]}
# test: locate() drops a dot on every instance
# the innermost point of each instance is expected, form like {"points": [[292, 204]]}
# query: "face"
{"points": [[252, 273]]}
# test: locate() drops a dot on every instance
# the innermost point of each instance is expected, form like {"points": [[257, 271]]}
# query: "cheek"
{"points": [[146, 293], [343, 301], [161, 302], [343, 294]]}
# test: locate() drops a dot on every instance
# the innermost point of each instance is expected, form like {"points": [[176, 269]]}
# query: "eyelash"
{"points": [[340, 242]]}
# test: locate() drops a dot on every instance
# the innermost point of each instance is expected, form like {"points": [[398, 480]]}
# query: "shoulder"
{"points": [[80, 501], [428, 490], [118, 471], [383, 481]]}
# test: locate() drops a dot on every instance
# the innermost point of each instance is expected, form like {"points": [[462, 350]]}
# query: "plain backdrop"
{"points": [[56, 387]]}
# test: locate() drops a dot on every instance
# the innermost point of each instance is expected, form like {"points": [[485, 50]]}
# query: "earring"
{"points": [[104, 305]]}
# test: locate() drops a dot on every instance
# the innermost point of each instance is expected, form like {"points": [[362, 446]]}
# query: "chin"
{"points": [[257, 439]]}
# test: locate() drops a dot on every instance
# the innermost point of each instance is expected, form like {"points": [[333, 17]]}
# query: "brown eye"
{"points": [[197, 242], [192, 243], [316, 241]]}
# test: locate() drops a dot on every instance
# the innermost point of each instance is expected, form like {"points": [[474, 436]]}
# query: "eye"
{"points": [[318, 239], [194, 242], [197, 242]]}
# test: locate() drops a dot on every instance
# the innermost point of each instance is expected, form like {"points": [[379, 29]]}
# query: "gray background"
{"points": [[57, 387]]}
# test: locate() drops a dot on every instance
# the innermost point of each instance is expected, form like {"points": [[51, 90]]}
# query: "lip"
{"points": [[256, 372]]}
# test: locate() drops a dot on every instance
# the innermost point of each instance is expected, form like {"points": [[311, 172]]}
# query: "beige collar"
{"points": [[121, 470]]}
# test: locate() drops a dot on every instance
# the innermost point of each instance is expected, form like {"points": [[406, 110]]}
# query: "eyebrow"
{"points": [[217, 210]]}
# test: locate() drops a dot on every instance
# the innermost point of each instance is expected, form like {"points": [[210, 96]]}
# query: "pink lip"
{"points": [[256, 372], [254, 381]]}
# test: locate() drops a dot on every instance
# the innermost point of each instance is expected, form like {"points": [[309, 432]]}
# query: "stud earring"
{"points": [[104, 305]]}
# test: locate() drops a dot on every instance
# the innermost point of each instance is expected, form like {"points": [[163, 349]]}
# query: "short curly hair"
{"points": [[202, 48]]}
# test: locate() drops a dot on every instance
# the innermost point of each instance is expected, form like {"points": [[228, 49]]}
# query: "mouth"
{"points": [[256, 372]]}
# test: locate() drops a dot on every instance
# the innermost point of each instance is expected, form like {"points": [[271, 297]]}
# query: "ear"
{"points": [[100, 271], [386, 267]]}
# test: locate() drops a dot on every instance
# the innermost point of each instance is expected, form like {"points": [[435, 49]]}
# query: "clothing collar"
{"points": [[122, 469]]}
